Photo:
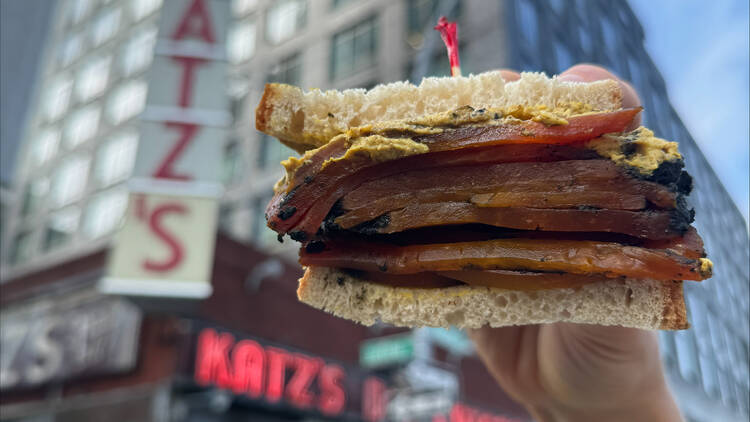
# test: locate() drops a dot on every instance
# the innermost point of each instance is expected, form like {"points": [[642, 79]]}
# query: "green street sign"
{"points": [[385, 351], [453, 339]]}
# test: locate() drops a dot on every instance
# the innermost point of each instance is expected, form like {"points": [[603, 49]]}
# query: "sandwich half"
{"points": [[471, 201]]}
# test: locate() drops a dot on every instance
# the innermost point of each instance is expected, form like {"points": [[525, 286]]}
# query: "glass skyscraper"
{"points": [[708, 364]]}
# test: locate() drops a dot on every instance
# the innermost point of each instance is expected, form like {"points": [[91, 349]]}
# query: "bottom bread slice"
{"points": [[648, 304]]}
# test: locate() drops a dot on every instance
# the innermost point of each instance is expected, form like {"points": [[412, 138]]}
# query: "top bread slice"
{"points": [[308, 120]]}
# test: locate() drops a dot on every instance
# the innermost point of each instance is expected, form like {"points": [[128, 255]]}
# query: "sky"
{"points": [[701, 49]]}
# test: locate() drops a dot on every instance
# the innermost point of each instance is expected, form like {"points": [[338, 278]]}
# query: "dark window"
{"points": [[54, 237], [232, 162], [225, 216], [272, 152], [287, 71], [60, 228], [563, 57], [440, 65], [262, 235], [21, 249], [354, 49], [422, 13], [31, 200], [636, 74], [609, 37], [339, 3], [528, 22], [236, 107], [585, 38]]}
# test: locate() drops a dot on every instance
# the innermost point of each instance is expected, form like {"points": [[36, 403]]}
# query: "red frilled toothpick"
{"points": [[449, 34]]}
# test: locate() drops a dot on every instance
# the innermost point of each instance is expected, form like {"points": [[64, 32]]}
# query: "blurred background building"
{"points": [[78, 144]]}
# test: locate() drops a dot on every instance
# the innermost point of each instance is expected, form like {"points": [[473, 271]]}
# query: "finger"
{"points": [[505, 352], [576, 354], [509, 75], [617, 343], [589, 73], [629, 95]]}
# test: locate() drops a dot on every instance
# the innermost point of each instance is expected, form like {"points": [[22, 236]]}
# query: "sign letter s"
{"points": [[177, 252]]}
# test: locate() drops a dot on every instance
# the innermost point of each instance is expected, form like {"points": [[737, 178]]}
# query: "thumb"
{"points": [[617, 360]]}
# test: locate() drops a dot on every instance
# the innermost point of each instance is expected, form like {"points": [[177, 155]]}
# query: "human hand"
{"points": [[590, 73], [578, 372]]}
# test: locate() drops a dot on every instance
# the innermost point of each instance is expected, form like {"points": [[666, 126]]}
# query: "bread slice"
{"points": [[307, 120], [647, 304]]}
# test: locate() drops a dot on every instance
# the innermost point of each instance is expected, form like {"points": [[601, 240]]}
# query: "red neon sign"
{"points": [[463, 413], [274, 375]]}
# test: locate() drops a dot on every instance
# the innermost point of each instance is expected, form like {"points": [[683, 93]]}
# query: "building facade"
{"points": [[81, 137], [708, 364], [19, 65], [82, 133]]}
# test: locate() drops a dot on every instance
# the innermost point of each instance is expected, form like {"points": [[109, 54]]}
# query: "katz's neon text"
{"points": [[269, 373]]}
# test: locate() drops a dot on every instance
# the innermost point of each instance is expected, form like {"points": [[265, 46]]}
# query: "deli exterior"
{"points": [[175, 321], [250, 350]]}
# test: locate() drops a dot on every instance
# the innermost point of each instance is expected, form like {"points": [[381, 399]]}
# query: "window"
{"points": [[225, 216], [3, 213], [70, 180], [92, 78], [232, 162], [105, 26], [45, 146], [143, 8], [354, 49], [79, 10], [242, 7], [262, 235], [139, 51], [21, 248], [61, 227], [339, 3], [608, 33], [422, 14], [284, 19], [288, 71], [586, 43], [57, 98], [71, 49], [440, 64], [104, 212], [127, 101], [241, 42], [272, 152], [115, 159], [687, 357], [527, 22], [82, 125], [237, 88], [562, 55], [636, 73], [33, 196]]}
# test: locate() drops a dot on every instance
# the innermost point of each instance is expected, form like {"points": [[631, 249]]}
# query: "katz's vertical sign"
{"points": [[166, 244]]}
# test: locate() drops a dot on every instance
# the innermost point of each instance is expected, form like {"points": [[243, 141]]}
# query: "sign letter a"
{"points": [[195, 23]]}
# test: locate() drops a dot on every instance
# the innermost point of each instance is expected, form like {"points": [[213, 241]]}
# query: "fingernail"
{"points": [[570, 77]]}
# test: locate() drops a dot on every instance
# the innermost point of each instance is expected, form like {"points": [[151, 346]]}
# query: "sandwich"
{"points": [[472, 201]]}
